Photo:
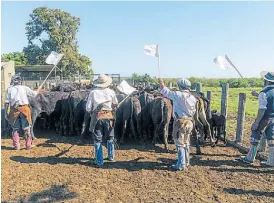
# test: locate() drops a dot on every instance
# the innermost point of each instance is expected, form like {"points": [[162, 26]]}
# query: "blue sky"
{"points": [[190, 35]]}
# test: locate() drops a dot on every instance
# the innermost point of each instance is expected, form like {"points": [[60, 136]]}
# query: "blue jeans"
{"points": [[20, 122], [267, 126], [103, 130]]}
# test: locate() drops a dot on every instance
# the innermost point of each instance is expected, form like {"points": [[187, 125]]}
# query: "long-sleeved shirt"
{"points": [[263, 98], [103, 96], [18, 95], [184, 103]]}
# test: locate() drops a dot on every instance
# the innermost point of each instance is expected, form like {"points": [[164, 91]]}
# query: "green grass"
{"points": [[233, 99]]}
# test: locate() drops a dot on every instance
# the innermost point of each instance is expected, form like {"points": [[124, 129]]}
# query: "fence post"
{"points": [[48, 87], [241, 117], [170, 85], [224, 102], [199, 87]]}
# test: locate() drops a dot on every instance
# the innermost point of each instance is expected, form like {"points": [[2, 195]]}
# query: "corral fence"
{"points": [[34, 81], [238, 142]]}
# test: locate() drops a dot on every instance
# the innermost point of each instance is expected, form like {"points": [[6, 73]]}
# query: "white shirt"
{"points": [[184, 103], [18, 94], [99, 96]]}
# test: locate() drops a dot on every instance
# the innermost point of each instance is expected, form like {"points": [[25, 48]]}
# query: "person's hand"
{"points": [[255, 94], [160, 80], [255, 126]]}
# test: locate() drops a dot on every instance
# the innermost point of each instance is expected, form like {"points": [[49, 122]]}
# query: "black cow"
{"points": [[155, 119], [218, 126], [127, 118]]}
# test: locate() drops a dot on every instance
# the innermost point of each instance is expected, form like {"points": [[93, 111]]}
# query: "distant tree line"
{"points": [[206, 82]]}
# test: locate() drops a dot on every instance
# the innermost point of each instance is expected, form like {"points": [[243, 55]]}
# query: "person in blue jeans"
{"points": [[264, 122], [101, 103]]}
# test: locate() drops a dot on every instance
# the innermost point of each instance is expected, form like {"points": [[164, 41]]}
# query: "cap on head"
{"points": [[102, 81], [15, 79], [183, 83], [268, 76]]}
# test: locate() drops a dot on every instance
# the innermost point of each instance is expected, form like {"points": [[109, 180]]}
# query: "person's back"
{"points": [[19, 114]]}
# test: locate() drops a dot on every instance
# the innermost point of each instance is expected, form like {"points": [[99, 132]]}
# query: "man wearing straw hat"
{"points": [[19, 116], [100, 104], [264, 122]]}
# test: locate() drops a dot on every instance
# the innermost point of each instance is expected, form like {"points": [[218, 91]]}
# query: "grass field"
{"points": [[251, 101]]}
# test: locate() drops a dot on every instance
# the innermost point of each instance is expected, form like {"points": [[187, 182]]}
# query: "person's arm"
{"points": [[31, 92], [7, 104], [165, 91], [261, 111]]}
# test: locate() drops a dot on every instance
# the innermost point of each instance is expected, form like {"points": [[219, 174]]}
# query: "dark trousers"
{"points": [[103, 131]]}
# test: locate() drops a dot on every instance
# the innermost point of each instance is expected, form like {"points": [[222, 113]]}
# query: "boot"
{"points": [[99, 159], [111, 150], [15, 140], [180, 165], [28, 139], [262, 145], [270, 159], [186, 148], [250, 157]]}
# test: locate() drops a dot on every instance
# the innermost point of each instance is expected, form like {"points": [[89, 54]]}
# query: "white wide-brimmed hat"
{"points": [[102, 81], [269, 76]]}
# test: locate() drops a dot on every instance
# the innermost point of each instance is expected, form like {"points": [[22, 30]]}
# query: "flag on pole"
{"points": [[151, 50], [221, 62], [125, 88], [54, 58]]}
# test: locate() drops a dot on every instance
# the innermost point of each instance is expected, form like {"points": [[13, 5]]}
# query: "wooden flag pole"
{"points": [[158, 53], [229, 61], [54, 67]]}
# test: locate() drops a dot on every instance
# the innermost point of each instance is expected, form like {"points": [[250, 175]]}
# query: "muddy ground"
{"points": [[141, 173]]}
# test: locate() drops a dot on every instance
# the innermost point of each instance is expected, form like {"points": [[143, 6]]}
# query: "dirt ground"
{"points": [[141, 173]]}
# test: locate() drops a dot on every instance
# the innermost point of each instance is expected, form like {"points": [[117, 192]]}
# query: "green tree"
{"points": [[19, 58], [55, 30]]}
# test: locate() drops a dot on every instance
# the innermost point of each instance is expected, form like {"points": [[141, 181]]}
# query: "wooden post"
{"points": [[199, 87], [224, 102], [48, 87], [241, 117], [170, 85]]}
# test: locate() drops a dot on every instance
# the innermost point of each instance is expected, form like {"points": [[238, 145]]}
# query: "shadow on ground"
{"points": [[55, 193], [236, 191]]}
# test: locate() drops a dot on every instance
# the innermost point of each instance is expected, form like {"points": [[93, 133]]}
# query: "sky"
{"points": [[189, 34]]}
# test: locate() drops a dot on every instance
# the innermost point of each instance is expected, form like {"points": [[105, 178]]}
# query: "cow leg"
{"points": [[207, 127], [156, 130], [124, 131], [196, 138], [133, 129]]}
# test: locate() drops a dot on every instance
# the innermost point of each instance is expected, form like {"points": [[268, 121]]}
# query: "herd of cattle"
{"points": [[142, 117]]}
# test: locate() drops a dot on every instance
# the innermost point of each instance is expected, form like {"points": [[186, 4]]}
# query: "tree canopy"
{"points": [[19, 58], [53, 30]]}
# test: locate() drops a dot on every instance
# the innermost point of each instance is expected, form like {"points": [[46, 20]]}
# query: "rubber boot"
{"points": [[15, 140], [28, 139], [180, 165], [111, 150], [270, 158], [99, 159], [250, 157], [262, 145], [186, 148]]}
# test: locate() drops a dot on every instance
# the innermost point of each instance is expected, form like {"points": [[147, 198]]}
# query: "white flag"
{"points": [[126, 88], [221, 62], [151, 50], [54, 58]]}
